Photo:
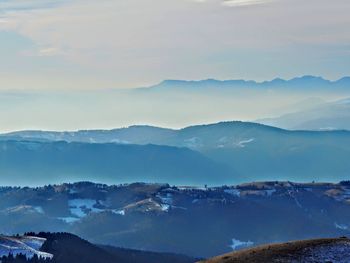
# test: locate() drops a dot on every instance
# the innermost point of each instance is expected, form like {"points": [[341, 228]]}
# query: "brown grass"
{"points": [[283, 252]]}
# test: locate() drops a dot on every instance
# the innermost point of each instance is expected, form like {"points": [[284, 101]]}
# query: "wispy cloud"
{"points": [[43, 52], [237, 3], [25, 5]]}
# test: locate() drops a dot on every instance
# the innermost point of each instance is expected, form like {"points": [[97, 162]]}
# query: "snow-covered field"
{"points": [[78, 207], [26, 245]]}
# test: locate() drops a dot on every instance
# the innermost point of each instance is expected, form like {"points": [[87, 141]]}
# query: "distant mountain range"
{"points": [[222, 153], [306, 81], [326, 116], [200, 222], [173, 103]]}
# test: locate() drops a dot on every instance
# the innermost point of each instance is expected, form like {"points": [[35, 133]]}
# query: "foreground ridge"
{"points": [[336, 250]]}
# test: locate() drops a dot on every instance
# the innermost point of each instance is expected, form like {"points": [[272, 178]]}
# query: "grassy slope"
{"points": [[283, 252]]}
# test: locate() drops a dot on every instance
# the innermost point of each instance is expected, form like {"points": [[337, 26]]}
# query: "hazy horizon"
{"points": [[74, 64], [189, 128], [171, 107]]}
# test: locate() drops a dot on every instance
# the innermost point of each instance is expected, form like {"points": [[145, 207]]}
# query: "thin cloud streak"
{"points": [[18, 5], [238, 3]]}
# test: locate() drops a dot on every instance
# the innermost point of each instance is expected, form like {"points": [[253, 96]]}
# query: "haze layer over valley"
{"points": [[172, 103]]}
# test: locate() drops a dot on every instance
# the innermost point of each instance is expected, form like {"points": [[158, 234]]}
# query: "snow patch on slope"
{"points": [[119, 212], [33, 242], [234, 192], [242, 143], [69, 220], [79, 207], [341, 226], [237, 244]]}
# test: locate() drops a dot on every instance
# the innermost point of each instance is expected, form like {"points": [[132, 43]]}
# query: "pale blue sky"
{"points": [[75, 44]]}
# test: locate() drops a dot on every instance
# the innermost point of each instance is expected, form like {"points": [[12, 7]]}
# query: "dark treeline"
{"points": [[20, 258]]}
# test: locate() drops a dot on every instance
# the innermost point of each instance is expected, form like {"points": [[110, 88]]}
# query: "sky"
{"points": [[85, 44], [72, 64]]}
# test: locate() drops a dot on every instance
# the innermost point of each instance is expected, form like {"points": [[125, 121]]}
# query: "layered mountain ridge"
{"points": [[307, 81], [221, 153], [325, 116]]}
